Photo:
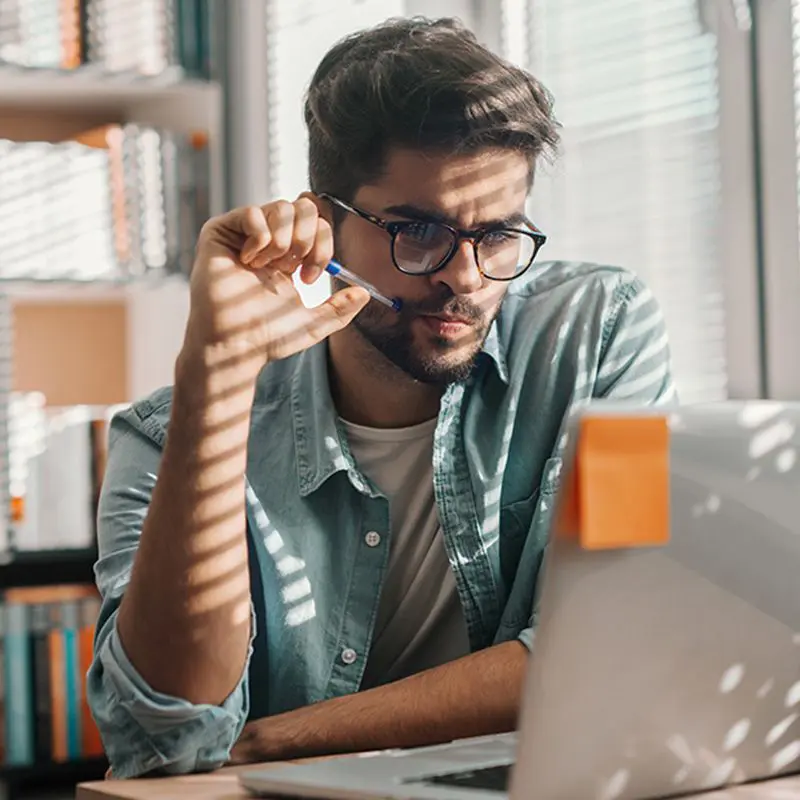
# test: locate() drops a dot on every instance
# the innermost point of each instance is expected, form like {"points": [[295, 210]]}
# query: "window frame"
{"points": [[745, 346], [774, 78]]}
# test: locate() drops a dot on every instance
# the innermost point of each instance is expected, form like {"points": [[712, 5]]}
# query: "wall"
{"points": [[463, 9], [73, 352]]}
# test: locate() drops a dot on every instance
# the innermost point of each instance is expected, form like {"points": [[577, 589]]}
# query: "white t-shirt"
{"points": [[420, 621]]}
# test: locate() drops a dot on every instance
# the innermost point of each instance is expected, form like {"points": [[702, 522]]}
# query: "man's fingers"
{"points": [[280, 221], [254, 226], [281, 235], [320, 254], [306, 220]]}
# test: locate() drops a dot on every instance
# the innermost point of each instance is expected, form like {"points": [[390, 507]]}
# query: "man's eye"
{"points": [[500, 238], [423, 232]]}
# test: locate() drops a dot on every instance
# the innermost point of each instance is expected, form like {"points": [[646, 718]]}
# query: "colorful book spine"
{"points": [[58, 691], [91, 743], [19, 686], [72, 679], [40, 653], [141, 187], [148, 37], [2, 684], [46, 642]]}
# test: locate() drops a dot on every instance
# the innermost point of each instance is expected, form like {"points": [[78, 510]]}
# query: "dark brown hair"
{"points": [[422, 84]]}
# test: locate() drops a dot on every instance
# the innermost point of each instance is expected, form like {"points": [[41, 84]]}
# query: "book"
{"points": [[144, 198], [40, 33], [41, 625], [19, 714], [57, 460], [147, 38], [46, 640]]}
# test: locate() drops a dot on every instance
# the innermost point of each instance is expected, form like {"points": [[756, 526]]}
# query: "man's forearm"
{"points": [[472, 696], [184, 619]]}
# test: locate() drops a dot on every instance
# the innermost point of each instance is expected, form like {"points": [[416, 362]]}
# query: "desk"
{"points": [[223, 785], [218, 785]]}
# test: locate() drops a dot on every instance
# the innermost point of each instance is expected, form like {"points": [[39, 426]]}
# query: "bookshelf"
{"points": [[47, 567], [57, 331], [88, 89], [43, 105]]}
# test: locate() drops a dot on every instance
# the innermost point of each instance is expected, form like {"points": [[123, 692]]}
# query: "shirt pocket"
{"points": [[516, 519], [524, 530]]}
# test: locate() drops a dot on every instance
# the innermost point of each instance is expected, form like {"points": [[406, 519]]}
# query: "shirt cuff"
{"points": [[148, 732], [526, 637]]}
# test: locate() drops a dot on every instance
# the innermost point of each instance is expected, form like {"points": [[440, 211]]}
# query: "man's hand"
{"points": [[472, 696], [244, 302], [184, 620]]}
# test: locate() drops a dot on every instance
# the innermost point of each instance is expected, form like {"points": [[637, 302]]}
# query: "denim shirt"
{"points": [[567, 334]]}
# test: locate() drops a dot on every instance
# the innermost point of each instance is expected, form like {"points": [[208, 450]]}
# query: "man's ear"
{"points": [[324, 208]]}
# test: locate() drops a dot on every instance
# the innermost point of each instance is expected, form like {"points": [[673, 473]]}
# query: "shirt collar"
{"points": [[320, 445], [320, 442], [494, 349]]}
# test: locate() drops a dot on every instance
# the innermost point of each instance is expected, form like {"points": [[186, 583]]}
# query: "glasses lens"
{"points": [[504, 254], [421, 246]]}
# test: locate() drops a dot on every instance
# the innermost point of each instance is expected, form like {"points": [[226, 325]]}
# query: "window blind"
{"points": [[796, 54], [299, 33], [637, 180]]}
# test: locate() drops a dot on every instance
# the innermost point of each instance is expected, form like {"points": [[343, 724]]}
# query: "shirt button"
{"points": [[349, 656], [373, 539]]}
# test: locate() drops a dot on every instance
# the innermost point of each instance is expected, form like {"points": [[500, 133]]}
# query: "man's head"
{"points": [[415, 120]]}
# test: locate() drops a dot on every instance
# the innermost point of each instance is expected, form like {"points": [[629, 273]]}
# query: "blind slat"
{"points": [[637, 182]]}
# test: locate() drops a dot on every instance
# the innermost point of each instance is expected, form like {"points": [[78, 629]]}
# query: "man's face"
{"points": [[446, 315]]}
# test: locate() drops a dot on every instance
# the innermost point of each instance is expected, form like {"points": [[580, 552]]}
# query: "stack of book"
{"points": [[146, 37], [117, 202], [57, 460], [46, 640]]}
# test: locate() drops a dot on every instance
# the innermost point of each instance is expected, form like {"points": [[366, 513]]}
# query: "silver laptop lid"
{"points": [[674, 665]]}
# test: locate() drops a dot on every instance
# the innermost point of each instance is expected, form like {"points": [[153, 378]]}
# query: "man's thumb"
{"points": [[338, 311]]}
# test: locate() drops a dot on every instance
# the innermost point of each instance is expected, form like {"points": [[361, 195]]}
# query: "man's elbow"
{"points": [[146, 733]]}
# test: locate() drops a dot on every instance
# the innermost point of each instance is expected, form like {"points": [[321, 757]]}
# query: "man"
{"points": [[326, 535]]}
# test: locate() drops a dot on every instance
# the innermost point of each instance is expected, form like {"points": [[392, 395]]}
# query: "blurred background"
{"points": [[124, 125]]}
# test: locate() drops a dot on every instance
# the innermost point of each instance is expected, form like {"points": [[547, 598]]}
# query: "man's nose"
{"points": [[461, 273]]}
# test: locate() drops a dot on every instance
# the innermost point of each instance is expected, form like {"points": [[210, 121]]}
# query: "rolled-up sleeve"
{"points": [[144, 731], [526, 637]]}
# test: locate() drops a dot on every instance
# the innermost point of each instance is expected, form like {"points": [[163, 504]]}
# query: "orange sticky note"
{"points": [[623, 482]]}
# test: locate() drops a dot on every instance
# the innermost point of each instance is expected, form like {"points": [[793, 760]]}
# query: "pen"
{"points": [[335, 268]]}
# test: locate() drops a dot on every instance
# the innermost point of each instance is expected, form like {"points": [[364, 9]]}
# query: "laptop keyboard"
{"points": [[492, 779]]}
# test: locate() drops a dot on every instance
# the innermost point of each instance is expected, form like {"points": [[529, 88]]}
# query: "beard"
{"points": [[441, 361]]}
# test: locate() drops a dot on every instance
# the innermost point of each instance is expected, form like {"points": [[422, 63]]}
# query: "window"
{"points": [[638, 180], [777, 48], [299, 33], [679, 119]]}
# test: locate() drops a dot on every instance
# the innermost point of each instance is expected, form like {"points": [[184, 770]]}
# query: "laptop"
{"points": [[667, 654]]}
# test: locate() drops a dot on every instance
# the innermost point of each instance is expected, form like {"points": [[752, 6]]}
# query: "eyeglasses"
{"points": [[420, 247]]}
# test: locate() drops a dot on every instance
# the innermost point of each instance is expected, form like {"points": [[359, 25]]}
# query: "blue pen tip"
{"points": [[397, 304]]}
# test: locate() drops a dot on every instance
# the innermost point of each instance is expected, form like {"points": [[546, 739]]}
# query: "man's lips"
{"points": [[445, 326], [449, 319]]}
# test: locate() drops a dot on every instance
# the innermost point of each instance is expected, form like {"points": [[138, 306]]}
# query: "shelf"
{"points": [[53, 774], [100, 289], [47, 567], [90, 89], [53, 105]]}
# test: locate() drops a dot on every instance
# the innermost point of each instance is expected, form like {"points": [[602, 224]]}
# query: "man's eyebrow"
{"points": [[430, 215]]}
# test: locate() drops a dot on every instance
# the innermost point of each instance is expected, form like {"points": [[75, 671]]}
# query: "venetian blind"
{"points": [[299, 33], [637, 182]]}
